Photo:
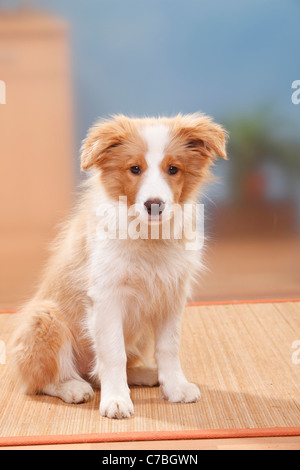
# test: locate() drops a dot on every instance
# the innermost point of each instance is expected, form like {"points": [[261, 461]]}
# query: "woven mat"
{"points": [[241, 356]]}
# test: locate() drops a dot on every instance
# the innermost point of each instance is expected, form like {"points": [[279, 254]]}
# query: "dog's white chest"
{"points": [[144, 273]]}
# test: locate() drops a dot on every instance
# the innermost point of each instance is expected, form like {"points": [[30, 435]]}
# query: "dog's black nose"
{"points": [[154, 206]]}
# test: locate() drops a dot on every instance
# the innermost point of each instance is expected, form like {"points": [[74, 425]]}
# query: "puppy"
{"points": [[108, 305]]}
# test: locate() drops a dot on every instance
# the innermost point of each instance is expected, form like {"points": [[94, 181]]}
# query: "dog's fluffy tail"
{"points": [[36, 345]]}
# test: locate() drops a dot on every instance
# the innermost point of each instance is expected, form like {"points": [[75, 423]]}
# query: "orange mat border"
{"points": [[147, 436], [241, 302], [218, 302], [8, 311]]}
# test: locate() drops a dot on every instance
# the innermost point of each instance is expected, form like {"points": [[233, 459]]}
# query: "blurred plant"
{"points": [[255, 139]]}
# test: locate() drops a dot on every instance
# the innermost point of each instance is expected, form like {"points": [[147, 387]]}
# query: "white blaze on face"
{"points": [[155, 185]]}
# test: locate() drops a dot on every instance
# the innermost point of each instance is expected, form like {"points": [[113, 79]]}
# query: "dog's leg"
{"points": [[42, 356], [141, 367], [106, 327], [70, 387], [175, 386], [144, 376]]}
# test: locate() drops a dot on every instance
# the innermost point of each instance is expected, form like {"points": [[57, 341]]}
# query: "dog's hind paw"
{"points": [[73, 391]]}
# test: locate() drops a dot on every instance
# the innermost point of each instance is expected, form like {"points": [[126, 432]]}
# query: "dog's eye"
{"points": [[135, 170], [173, 170]]}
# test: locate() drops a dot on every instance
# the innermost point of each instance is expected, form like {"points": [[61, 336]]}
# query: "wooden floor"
{"points": [[249, 269]]}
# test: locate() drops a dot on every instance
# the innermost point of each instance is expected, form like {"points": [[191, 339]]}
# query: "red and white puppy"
{"points": [[107, 306]]}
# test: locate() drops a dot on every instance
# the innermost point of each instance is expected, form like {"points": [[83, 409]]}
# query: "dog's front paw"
{"points": [[182, 393], [116, 407]]}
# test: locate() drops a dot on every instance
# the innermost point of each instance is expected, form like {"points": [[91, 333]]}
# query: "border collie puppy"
{"points": [[109, 307]]}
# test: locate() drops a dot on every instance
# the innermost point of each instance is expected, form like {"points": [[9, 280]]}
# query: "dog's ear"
{"points": [[102, 138], [203, 135]]}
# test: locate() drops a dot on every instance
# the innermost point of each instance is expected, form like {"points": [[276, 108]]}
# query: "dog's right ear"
{"points": [[102, 138]]}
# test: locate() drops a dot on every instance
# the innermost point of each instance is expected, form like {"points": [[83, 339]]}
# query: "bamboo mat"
{"points": [[241, 356]]}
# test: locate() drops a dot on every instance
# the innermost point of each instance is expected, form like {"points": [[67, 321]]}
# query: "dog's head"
{"points": [[155, 163]]}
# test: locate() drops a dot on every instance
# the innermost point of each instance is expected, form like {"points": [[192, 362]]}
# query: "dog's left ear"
{"points": [[102, 138], [204, 136]]}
